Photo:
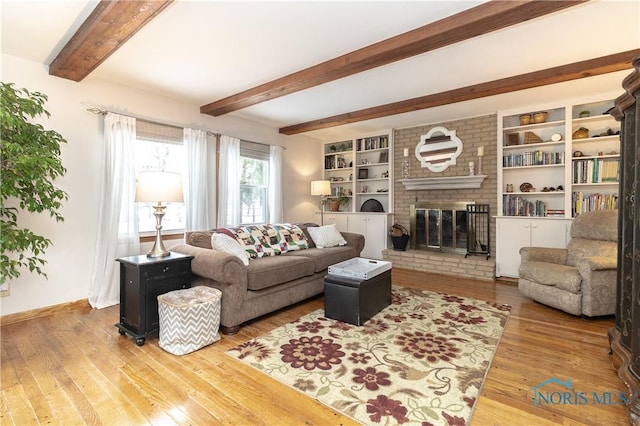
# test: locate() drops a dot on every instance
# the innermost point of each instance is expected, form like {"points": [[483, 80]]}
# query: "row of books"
{"points": [[581, 203], [334, 162], [515, 205], [377, 142], [532, 158], [596, 170]]}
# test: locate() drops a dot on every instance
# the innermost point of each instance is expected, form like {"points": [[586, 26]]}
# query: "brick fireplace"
{"points": [[474, 133]]}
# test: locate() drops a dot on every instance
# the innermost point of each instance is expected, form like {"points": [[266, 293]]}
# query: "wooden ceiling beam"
{"points": [[482, 19], [110, 25], [602, 65]]}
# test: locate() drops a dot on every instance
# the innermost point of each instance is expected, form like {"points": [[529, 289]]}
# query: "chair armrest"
{"points": [[544, 254], [598, 285], [354, 240], [597, 263]]}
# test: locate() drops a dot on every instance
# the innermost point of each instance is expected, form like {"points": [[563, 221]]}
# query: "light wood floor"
{"points": [[74, 368]]}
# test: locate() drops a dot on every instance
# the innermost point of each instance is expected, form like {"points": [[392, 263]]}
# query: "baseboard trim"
{"points": [[42, 312]]}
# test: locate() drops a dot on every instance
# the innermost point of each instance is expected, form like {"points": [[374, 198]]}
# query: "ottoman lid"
{"points": [[190, 296]]}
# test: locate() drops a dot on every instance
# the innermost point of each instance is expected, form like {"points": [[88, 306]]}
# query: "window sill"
{"points": [[174, 234]]}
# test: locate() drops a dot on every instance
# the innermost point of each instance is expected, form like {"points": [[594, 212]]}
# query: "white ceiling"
{"points": [[202, 51]]}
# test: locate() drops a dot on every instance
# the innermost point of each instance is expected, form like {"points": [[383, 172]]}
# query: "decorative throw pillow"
{"points": [[326, 236], [229, 245], [303, 227], [291, 237]]}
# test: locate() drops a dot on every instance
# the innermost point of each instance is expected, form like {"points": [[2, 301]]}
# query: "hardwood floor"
{"points": [[74, 368]]}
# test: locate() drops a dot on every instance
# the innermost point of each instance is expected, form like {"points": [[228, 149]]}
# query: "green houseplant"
{"points": [[336, 202], [30, 162]]}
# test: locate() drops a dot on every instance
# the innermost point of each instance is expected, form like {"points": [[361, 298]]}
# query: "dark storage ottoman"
{"points": [[354, 300]]}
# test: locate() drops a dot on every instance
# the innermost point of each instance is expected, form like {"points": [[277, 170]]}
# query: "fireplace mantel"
{"points": [[449, 182]]}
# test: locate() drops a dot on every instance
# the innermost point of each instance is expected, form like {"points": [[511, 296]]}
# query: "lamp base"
{"points": [[158, 249]]}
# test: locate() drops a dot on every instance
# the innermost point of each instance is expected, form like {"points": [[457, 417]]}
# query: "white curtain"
{"points": [[229, 182], [196, 191], [275, 184], [118, 221]]}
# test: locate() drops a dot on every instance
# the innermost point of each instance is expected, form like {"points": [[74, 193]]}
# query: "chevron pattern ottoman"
{"points": [[189, 319]]}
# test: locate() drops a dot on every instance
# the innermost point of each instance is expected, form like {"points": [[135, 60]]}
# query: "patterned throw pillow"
{"points": [[227, 244], [326, 236]]}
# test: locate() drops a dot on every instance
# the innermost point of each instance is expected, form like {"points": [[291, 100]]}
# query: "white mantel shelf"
{"points": [[450, 182]]}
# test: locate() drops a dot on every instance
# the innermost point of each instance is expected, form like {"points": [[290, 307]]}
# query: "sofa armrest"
{"points": [[544, 254], [354, 240], [213, 264]]}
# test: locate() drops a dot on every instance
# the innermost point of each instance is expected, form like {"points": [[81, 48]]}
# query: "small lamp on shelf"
{"points": [[159, 188], [321, 188]]}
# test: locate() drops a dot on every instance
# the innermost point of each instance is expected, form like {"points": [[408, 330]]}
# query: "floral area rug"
{"points": [[422, 360]]}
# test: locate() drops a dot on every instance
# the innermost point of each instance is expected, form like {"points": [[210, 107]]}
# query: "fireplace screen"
{"points": [[439, 226], [450, 226]]}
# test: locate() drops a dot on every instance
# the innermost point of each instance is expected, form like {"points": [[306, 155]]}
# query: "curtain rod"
{"points": [[96, 110]]}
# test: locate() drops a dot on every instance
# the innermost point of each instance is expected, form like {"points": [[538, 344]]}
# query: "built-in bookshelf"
{"points": [[558, 160], [360, 169]]}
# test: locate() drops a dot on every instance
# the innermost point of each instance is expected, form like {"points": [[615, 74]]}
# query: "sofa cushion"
{"points": [[561, 276], [227, 244], [326, 236], [269, 271], [323, 258]]}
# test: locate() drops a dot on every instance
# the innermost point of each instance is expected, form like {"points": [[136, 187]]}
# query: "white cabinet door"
{"points": [[340, 220], [516, 232], [374, 228], [550, 233], [511, 234]]}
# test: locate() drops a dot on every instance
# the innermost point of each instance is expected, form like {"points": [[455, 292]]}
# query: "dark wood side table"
{"points": [[142, 280]]}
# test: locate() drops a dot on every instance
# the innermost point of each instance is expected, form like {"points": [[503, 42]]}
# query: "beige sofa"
{"points": [[266, 284], [580, 279]]}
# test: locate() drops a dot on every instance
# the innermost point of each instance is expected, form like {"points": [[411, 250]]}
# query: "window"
{"points": [[254, 176], [160, 148]]}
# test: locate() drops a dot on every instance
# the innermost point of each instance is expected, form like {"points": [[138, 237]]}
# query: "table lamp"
{"points": [[159, 188]]}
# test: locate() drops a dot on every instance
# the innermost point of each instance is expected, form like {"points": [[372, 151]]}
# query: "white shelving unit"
{"points": [[558, 178], [361, 170], [546, 175]]}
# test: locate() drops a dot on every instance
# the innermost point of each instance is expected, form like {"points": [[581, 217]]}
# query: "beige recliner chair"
{"points": [[580, 279]]}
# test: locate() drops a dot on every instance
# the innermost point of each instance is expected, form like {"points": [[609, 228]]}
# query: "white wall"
{"points": [[71, 256]]}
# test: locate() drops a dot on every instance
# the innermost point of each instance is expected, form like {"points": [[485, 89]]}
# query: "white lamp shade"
{"points": [[320, 187], [156, 187]]}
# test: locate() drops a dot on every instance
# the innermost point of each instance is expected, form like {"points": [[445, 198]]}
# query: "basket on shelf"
{"points": [[525, 119], [581, 133], [540, 117], [530, 137]]}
